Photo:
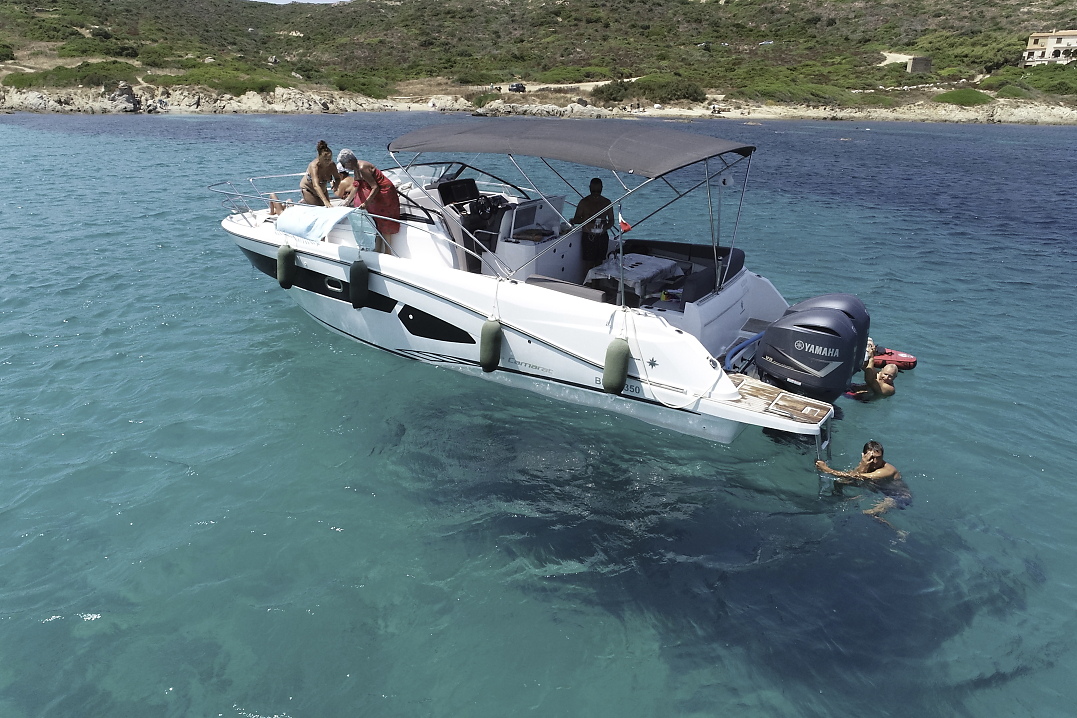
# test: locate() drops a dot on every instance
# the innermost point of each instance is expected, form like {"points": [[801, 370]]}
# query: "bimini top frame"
{"points": [[651, 153]]}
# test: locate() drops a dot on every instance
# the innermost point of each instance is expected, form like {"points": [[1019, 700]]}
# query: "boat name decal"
{"points": [[815, 349], [525, 365]]}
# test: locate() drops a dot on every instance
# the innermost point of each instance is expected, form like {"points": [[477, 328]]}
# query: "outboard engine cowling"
{"points": [[852, 307], [811, 352]]}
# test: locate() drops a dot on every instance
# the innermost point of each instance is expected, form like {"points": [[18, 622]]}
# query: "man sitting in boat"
{"points": [[596, 239], [875, 473], [878, 383]]}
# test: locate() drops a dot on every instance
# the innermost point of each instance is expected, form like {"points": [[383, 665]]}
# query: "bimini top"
{"points": [[618, 146]]}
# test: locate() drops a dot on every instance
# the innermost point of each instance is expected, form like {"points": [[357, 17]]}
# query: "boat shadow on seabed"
{"points": [[806, 591]]}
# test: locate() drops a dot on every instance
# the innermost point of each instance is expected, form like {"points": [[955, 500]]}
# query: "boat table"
{"points": [[641, 272]]}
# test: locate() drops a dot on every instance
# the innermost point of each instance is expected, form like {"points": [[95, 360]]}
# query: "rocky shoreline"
{"points": [[189, 100]]}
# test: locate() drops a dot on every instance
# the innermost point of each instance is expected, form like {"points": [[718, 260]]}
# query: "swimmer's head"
{"points": [[873, 448], [888, 373]]}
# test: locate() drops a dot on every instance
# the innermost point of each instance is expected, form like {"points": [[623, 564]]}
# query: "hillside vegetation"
{"points": [[812, 51]]}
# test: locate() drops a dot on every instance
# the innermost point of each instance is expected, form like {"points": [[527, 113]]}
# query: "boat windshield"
{"points": [[432, 173]]}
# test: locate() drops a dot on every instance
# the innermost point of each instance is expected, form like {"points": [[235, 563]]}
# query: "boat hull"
{"points": [[552, 343]]}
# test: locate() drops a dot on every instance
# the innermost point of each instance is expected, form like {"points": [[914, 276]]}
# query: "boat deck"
{"points": [[766, 399]]}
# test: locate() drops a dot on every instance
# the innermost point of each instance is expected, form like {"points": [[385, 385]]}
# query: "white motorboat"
{"points": [[486, 277]]}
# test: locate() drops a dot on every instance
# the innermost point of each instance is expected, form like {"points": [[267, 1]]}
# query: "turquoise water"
{"points": [[209, 506]]}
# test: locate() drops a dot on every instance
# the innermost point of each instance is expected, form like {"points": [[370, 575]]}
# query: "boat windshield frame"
{"points": [[463, 166]]}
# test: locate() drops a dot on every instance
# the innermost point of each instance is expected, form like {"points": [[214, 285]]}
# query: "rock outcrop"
{"points": [[124, 99], [152, 99], [499, 108], [999, 111], [285, 100]]}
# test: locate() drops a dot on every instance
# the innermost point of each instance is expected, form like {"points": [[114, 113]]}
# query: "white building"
{"points": [[1049, 48]]}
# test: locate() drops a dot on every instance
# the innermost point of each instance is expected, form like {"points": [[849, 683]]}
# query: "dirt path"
{"points": [[892, 57]]}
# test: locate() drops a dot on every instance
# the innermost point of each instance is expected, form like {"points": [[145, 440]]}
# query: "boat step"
{"points": [[754, 326], [767, 399]]}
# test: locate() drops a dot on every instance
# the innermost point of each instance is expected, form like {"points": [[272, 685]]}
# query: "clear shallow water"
{"points": [[210, 506]]}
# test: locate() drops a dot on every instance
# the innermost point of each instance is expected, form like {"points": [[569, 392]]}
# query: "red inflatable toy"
{"points": [[884, 356]]}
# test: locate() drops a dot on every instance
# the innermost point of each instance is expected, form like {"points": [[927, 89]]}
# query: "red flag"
{"points": [[625, 226]]}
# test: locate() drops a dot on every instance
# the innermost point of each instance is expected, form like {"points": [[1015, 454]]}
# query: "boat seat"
{"points": [[732, 262], [560, 285], [699, 284]]}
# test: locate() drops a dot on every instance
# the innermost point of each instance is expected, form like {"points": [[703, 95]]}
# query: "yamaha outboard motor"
{"points": [[811, 351], [852, 307]]}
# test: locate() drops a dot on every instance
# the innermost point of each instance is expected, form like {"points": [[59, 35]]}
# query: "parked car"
{"points": [[517, 87]]}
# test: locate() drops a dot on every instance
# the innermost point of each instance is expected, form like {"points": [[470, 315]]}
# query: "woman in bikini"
{"points": [[322, 170]]}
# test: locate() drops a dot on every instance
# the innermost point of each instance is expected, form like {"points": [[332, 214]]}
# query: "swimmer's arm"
{"points": [[844, 477], [886, 473]]}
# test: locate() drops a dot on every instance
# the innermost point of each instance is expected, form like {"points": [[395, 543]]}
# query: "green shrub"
{"points": [[235, 78], [87, 73], [477, 77], [6, 53], [561, 75], [50, 29], [483, 99], [800, 92], [368, 85], [155, 55], [995, 82], [654, 88], [876, 99], [616, 91], [987, 51], [1055, 79], [571, 75], [669, 88], [965, 97], [307, 69], [1013, 92], [94, 47]]}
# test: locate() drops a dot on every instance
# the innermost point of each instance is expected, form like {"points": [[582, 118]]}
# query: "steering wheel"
{"points": [[483, 208]]}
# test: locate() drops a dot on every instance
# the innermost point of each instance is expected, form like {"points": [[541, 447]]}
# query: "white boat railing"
{"points": [[239, 202]]}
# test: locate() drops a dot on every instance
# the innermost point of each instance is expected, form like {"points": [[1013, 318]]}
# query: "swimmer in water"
{"points": [[876, 474], [878, 383]]}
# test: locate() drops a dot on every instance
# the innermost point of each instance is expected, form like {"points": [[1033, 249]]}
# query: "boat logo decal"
{"points": [[830, 366], [815, 349], [525, 365], [652, 363]]}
